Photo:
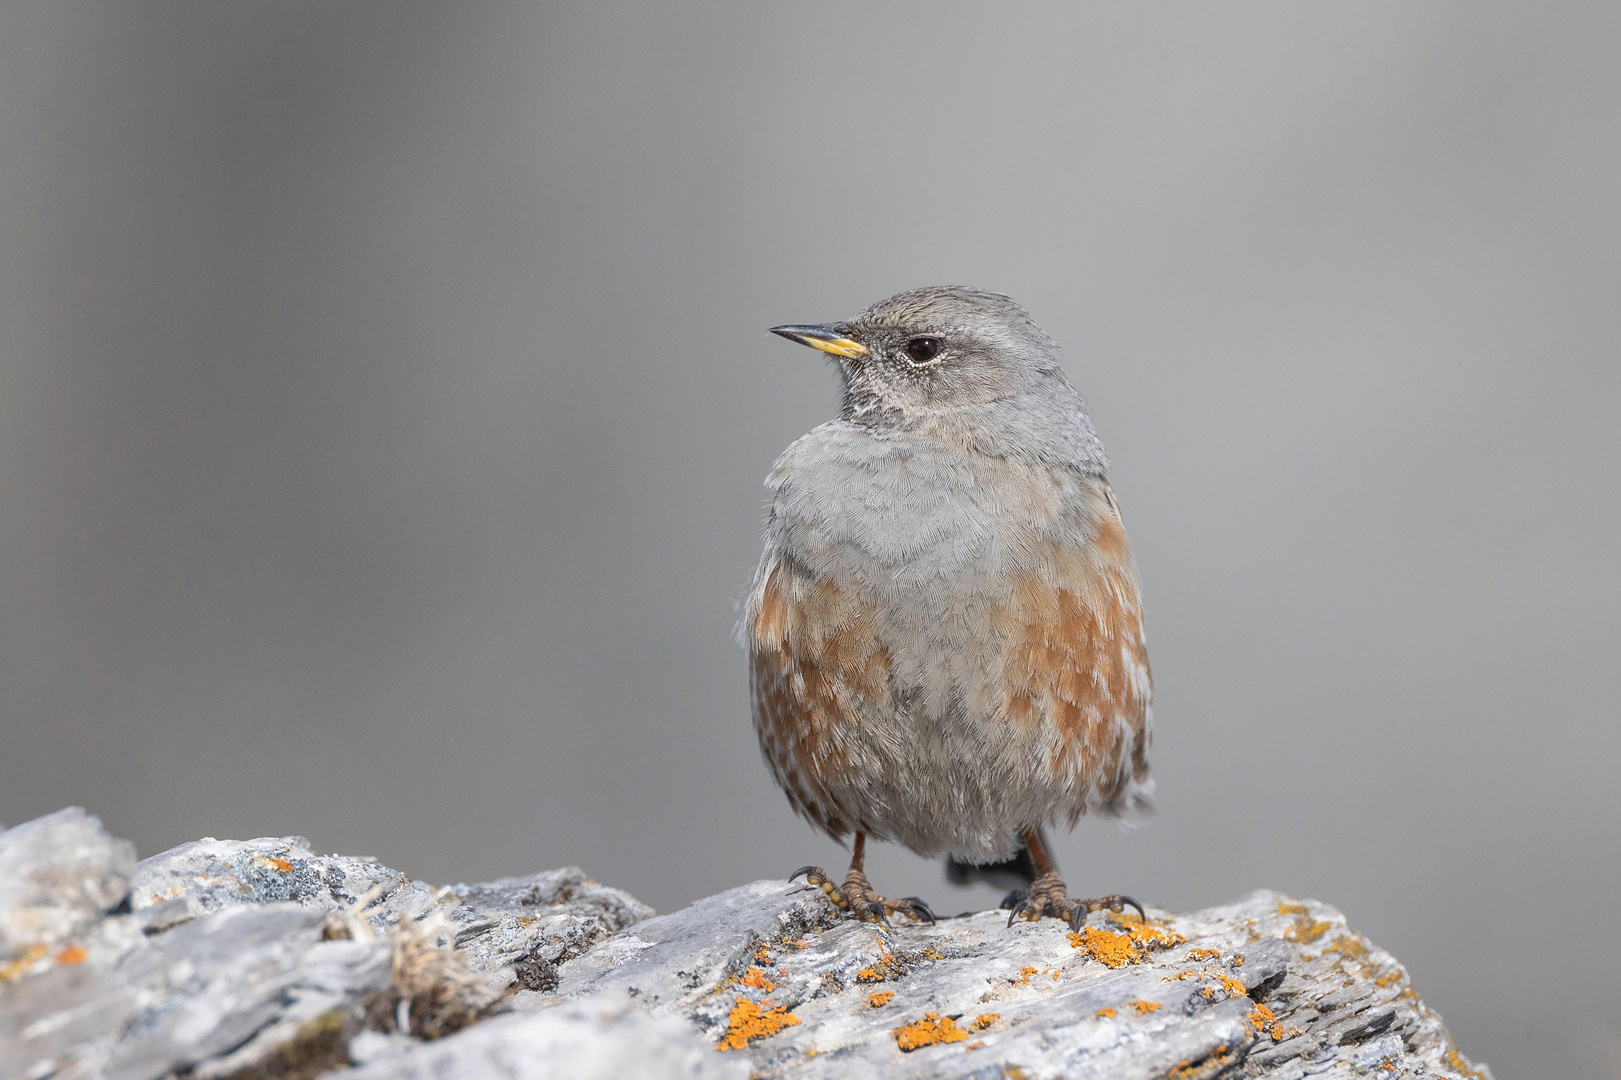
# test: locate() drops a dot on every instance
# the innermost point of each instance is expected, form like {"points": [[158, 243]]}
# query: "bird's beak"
{"points": [[829, 337]]}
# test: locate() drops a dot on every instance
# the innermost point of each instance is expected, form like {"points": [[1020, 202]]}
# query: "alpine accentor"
{"points": [[945, 632]]}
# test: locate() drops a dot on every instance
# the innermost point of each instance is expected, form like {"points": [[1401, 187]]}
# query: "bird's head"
{"points": [[934, 350]]}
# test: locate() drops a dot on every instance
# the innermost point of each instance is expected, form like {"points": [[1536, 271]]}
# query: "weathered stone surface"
{"points": [[261, 959], [1264, 986], [209, 875], [257, 957], [58, 875], [541, 921], [593, 1038]]}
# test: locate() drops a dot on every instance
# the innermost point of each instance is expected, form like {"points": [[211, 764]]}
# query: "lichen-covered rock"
{"points": [[255, 958], [210, 875], [137, 1007], [1265, 986], [261, 960], [539, 921], [58, 875], [596, 1038]]}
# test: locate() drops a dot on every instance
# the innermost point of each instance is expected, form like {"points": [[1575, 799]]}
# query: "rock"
{"points": [[251, 958], [58, 875], [549, 917], [261, 959], [1264, 986], [209, 875], [539, 921], [593, 1038]]}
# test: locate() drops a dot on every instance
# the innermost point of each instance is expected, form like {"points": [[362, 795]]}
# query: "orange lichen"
{"points": [[273, 863], [1129, 946], [977, 1044], [1265, 1022], [1385, 981], [1350, 946], [1306, 931], [1203, 954], [756, 978], [1233, 987], [985, 1020], [762, 955], [886, 967], [16, 967], [1205, 1066], [1144, 1007], [1147, 935], [879, 1000], [1107, 948], [1456, 1060], [1105, 1013], [928, 1031], [750, 1021], [1025, 973], [73, 954]]}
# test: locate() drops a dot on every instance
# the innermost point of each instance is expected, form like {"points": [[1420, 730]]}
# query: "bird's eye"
{"points": [[923, 349]]}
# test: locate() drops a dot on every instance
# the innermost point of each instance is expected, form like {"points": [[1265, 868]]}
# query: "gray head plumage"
{"points": [[972, 366]]}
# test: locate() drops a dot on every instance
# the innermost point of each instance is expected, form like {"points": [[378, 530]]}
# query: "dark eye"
{"points": [[923, 349]]}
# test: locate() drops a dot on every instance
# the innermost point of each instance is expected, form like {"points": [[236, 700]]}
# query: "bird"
{"points": [[945, 630]]}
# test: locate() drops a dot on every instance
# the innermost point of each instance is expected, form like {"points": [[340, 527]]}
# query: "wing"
{"points": [[815, 666], [1076, 666]]}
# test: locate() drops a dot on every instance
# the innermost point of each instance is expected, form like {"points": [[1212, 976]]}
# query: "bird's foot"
{"points": [[856, 897], [1047, 896]]}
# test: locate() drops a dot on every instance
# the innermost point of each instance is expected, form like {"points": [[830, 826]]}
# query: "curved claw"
{"points": [[1077, 919], [811, 869], [1124, 900], [917, 907], [876, 910], [1018, 909]]}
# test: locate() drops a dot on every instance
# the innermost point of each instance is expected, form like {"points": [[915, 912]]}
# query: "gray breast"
{"points": [[929, 534]]}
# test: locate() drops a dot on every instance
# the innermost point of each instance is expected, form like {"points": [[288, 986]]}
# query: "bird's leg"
{"points": [[856, 895], [1048, 896]]}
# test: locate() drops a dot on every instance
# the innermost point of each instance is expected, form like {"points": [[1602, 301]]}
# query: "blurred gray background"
{"points": [[385, 398]]}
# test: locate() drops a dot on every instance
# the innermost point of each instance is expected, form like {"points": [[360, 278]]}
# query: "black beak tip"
{"points": [[825, 337], [800, 331]]}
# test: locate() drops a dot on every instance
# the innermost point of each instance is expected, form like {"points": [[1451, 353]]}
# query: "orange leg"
{"points": [[856, 896], [1048, 895]]}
